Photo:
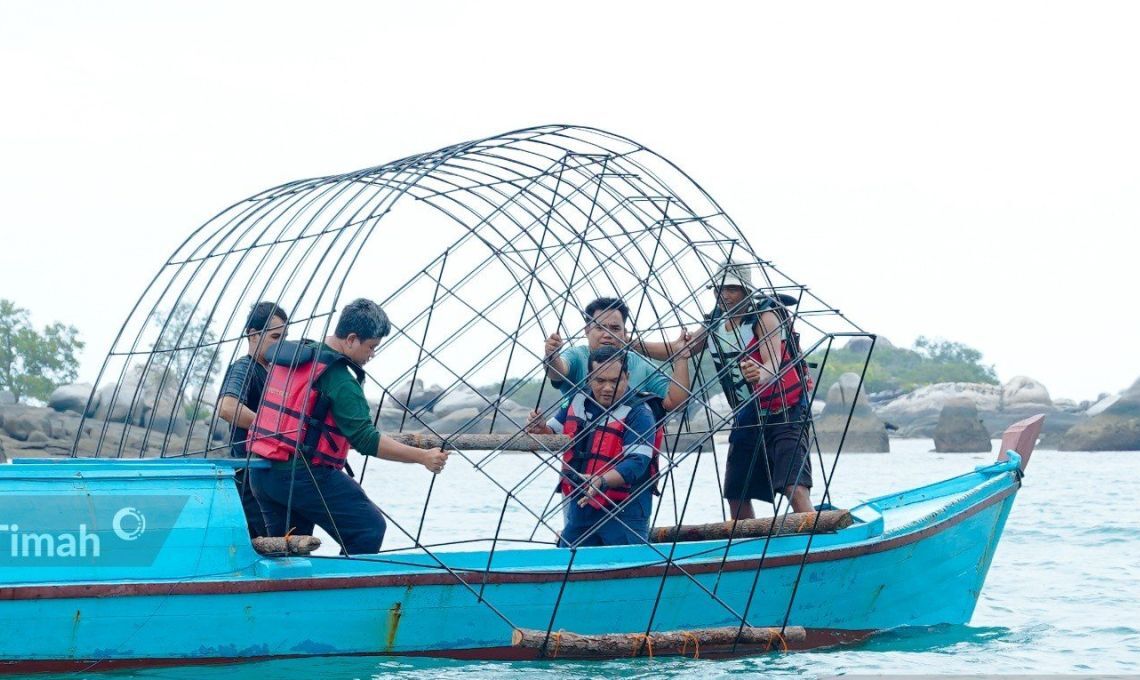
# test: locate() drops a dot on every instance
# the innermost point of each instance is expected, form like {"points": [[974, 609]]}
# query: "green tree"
{"points": [[899, 368], [186, 347], [946, 352], [32, 363]]}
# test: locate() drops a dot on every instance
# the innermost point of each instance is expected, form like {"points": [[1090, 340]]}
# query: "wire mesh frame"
{"points": [[398, 185], [299, 241]]}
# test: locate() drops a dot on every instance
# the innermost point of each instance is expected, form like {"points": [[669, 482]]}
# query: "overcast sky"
{"points": [[964, 170]]}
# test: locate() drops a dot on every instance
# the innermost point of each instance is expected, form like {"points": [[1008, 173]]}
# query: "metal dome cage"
{"points": [[522, 230]]}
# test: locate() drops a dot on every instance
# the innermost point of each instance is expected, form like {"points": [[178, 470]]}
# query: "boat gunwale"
{"points": [[439, 577]]}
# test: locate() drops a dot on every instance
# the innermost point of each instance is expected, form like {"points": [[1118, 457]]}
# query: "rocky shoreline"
{"points": [[957, 416], [1112, 423]]}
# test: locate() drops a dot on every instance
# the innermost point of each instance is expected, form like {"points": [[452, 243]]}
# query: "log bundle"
{"points": [[563, 644], [790, 523]]}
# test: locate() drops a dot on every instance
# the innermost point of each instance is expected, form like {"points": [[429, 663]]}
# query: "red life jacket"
{"points": [[789, 388], [293, 415], [595, 448]]}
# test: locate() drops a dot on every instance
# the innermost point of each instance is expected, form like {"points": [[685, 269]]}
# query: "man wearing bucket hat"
{"points": [[762, 374]]}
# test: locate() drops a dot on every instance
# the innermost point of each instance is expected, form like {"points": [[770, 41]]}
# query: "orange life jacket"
{"points": [[596, 447], [293, 415]]}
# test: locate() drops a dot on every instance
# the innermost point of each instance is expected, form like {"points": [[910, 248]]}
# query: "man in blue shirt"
{"points": [[606, 320], [610, 468]]}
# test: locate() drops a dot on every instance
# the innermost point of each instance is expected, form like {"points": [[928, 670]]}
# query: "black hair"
{"points": [[364, 318], [604, 355], [604, 304], [261, 314]]}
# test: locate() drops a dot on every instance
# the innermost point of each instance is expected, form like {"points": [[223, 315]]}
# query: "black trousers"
{"points": [[253, 515], [767, 457], [327, 498]]}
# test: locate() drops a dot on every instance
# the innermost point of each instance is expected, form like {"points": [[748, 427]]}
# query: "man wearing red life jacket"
{"points": [[313, 410], [610, 467], [754, 349]]}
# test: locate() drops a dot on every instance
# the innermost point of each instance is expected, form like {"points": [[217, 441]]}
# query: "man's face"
{"points": [[608, 382], [360, 351], [606, 329], [261, 343], [728, 297]]}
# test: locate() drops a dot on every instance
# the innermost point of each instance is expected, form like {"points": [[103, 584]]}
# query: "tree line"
{"points": [[33, 362], [901, 369]]}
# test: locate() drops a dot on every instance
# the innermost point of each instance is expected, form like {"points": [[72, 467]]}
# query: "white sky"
{"points": [[967, 170]]}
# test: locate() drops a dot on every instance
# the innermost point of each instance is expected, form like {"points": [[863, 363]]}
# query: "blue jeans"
{"points": [[628, 527], [327, 498]]}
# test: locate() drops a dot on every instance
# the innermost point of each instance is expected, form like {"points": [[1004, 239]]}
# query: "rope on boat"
{"points": [[696, 644], [643, 639]]}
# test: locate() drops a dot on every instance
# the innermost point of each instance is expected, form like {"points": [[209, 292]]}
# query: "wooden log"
{"points": [[657, 643], [277, 545], [520, 441], [791, 523], [524, 441]]}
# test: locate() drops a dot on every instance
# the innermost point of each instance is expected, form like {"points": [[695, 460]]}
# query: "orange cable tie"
{"points": [[696, 644], [557, 643]]}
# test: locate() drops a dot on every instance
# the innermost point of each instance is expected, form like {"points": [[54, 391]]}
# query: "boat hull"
{"points": [[924, 569]]}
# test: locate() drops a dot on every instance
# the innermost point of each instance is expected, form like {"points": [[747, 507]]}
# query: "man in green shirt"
{"points": [[323, 382]]}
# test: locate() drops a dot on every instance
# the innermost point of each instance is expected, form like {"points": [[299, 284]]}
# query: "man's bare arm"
{"points": [[662, 351], [556, 367], [679, 384], [769, 333], [236, 413], [390, 449]]}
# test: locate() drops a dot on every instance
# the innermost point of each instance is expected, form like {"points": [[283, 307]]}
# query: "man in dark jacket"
{"points": [[241, 395]]}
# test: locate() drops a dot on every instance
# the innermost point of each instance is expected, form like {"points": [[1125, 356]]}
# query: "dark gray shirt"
{"points": [[245, 379]]}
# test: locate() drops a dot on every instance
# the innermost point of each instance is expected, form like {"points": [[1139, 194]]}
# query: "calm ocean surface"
{"points": [[1062, 595]]}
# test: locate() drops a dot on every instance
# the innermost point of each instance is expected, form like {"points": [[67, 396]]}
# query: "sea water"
{"points": [[1062, 594]]}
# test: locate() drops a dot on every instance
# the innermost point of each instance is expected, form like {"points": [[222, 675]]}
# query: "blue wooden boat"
{"points": [[149, 563], [111, 559]]}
